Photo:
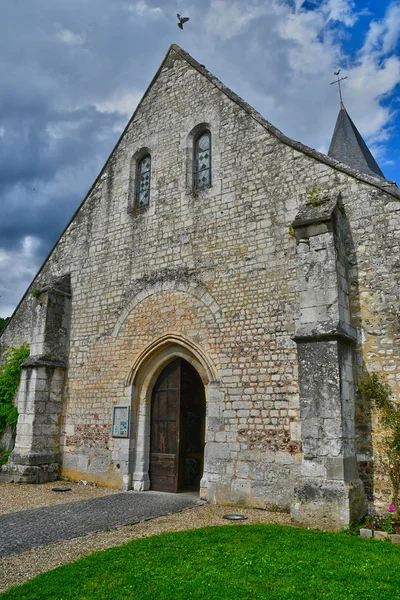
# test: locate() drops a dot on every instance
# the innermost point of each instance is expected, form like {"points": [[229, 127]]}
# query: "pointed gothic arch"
{"points": [[141, 379], [147, 366]]}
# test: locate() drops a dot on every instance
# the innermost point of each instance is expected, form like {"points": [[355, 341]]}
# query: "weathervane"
{"points": [[338, 82]]}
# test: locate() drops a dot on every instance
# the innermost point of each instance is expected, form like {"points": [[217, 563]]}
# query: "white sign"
{"points": [[120, 426]]}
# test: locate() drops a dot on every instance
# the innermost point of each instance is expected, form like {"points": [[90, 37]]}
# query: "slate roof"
{"points": [[348, 147]]}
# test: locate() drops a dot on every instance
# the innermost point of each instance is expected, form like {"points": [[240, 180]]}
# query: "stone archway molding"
{"points": [[165, 348], [194, 289], [140, 381]]}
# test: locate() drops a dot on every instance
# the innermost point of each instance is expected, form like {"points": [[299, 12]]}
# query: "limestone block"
{"points": [[327, 504], [70, 461], [70, 429], [241, 489], [25, 441], [366, 533], [121, 454], [26, 419], [99, 464], [313, 468], [217, 450], [264, 495], [268, 457], [214, 410], [126, 482], [312, 427], [242, 470], [333, 428], [214, 465], [215, 423], [295, 430], [343, 468], [381, 535], [394, 538], [82, 462], [210, 492], [140, 485], [283, 458]]}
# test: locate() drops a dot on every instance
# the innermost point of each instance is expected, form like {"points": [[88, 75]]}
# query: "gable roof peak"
{"points": [[348, 147], [365, 170], [174, 47]]}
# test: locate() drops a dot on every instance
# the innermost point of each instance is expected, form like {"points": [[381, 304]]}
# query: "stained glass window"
{"points": [[143, 182], [202, 161]]}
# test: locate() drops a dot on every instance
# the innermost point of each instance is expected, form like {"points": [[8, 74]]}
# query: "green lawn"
{"points": [[234, 562]]}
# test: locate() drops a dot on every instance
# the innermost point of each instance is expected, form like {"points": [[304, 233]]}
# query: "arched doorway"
{"points": [[177, 429]]}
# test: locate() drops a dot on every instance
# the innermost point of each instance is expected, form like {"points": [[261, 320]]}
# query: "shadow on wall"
{"points": [[363, 407], [363, 422], [7, 442]]}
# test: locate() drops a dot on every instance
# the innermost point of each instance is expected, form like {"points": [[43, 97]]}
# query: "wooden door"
{"points": [[192, 428], [164, 435]]}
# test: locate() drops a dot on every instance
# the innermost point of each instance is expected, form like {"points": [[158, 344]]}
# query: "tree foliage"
{"points": [[3, 323], [10, 374]]}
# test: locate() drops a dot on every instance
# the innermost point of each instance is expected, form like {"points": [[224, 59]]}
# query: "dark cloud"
{"points": [[72, 72], [63, 61]]}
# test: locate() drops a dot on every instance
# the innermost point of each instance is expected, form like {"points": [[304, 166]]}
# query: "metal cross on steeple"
{"points": [[338, 82]]}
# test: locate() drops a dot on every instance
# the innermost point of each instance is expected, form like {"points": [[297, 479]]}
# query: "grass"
{"points": [[251, 562]]}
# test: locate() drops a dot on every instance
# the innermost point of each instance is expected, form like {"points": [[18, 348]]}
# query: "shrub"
{"points": [[389, 412], [4, 454], [314, 196], [10, 374], [378, 522], [3, 323]]}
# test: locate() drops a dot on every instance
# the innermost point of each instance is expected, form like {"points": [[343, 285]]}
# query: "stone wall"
{"points": [[374, 297], [219, 266]]}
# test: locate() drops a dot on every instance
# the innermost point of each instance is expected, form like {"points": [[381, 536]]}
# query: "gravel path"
{"points": [[18, 568], [27, 529], [19, 496]]}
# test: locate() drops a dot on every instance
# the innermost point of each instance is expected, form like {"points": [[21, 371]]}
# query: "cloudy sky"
{"points": [[73, 71]]}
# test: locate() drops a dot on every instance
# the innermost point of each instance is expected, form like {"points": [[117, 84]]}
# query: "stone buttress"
{"points": [[36, 455], [328, 493]]}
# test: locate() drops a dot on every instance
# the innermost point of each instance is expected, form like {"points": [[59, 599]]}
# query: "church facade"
{"points": [[204, 318]]}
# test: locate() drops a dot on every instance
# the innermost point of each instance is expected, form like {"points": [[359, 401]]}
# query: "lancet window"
{"points": [[202, 161], [143, 182]]}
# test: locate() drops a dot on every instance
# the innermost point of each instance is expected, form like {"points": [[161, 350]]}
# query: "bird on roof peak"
{"points": [[182, 20]]}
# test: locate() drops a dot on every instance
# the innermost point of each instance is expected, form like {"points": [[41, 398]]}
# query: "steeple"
{"points": [[348, 147]]}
